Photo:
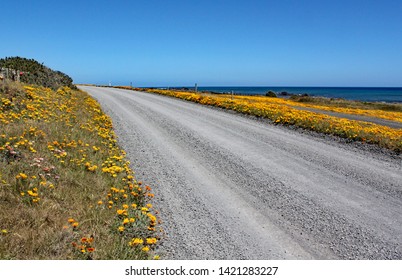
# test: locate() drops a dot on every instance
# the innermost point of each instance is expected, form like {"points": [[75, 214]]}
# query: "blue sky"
{"points": [[212, 43]]}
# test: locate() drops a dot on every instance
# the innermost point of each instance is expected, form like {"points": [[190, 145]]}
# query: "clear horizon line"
{"points": [[240, 86]]}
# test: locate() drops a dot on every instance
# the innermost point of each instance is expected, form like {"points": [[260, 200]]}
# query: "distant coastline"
{"points": [[366, 94]]}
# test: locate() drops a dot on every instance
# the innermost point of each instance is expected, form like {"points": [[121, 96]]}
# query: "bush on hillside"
{"points": [[36, 73], [271, 94]]}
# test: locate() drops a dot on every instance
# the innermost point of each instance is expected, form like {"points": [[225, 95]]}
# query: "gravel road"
{"points": [[232, 187]]}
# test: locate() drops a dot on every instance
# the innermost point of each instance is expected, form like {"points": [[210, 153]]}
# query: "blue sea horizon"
{"points": [[368, 94]]}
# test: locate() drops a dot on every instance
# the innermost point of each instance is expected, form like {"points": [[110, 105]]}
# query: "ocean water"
{"points": [[371, 94]]}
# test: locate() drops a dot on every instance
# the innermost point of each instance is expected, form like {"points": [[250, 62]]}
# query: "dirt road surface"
{"points": [[232, 187]]}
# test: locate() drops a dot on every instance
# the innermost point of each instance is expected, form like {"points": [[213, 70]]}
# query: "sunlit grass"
{"points": [[63, 179], [378, 110]]}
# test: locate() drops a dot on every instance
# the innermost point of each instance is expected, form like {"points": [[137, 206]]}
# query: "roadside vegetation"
{"points": [[66, 189], [32, 72], [282, 111], [386, 111]]}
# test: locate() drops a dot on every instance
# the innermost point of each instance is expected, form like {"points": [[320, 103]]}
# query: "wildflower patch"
{"points": [[63, 179]]}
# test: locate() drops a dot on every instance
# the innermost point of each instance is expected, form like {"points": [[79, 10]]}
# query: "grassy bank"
{"points": [[66, 190], [385, 111], [282, 111]]}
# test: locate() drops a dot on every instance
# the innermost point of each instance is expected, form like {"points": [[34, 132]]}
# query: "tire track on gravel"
{"points": [[232, 188]]}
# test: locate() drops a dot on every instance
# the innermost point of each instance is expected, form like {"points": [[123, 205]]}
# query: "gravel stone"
{"points": [[230, 186]]}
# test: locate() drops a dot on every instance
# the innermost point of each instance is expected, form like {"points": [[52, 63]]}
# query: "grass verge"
{"points": [[391, 112], [66, 190]]}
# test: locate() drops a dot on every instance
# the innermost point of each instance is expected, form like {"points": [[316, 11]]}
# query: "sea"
{"points": [[369, 94]]}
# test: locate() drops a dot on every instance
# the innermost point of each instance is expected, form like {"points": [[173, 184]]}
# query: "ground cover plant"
{"points": [[391, 112], [66, 189]]}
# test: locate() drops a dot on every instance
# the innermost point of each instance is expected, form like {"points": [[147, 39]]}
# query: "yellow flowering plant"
{"points": [[64, 176]]}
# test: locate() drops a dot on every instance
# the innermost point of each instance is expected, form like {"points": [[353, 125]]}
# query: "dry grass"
{"points": [[60, 168]]}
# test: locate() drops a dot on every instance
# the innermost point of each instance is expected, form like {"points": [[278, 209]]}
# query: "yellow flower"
{"points": [[120, 211], [93, 168], [136, 241], [132, 220], [23, 176], [126, 221], [121, 228], [100, 202], [31, 193], [4, 231], [71, 220], [145, 249], [151, 240], [151, 217]]}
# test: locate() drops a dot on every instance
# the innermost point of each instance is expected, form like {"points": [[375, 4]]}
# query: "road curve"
{"points": [[232, 187]]}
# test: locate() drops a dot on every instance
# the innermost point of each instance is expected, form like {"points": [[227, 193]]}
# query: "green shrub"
{"points": [[271, 94], [36, 73]]}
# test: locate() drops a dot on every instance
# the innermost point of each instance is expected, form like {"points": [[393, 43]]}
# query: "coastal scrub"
{"points": [[66, 189]]}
